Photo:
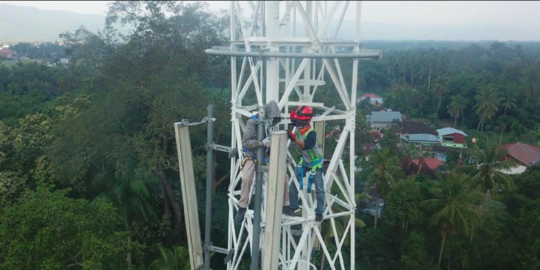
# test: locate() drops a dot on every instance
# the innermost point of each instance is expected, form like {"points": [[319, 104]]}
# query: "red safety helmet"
{"points": [[304, 113], [292, 116]]}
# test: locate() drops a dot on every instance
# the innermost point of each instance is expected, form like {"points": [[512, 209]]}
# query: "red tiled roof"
{"points": [[375, 134], [367, 147], [524, 153], [368, 95], [6, 51], [433, 163]]}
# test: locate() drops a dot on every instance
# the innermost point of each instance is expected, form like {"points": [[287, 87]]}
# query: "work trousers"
{"points": [[319, 187], [248, 175]]}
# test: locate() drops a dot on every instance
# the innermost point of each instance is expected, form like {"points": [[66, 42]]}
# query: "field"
{"points": [[10, 63]]}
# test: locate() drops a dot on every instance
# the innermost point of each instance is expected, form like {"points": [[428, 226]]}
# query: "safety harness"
{"points": [[315, 164]]}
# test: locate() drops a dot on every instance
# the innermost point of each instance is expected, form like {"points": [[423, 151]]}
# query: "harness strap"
{"points": [[316, 161]]}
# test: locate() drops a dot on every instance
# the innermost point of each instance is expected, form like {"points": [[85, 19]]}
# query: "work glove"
{"points": [[292, 137], [266, 142]]}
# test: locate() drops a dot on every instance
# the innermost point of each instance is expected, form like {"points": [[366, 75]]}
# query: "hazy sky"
{"points": [[521, 16], [410, 13]]}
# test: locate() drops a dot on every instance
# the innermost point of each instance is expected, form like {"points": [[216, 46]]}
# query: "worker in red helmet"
{"points": [[310, 163]]}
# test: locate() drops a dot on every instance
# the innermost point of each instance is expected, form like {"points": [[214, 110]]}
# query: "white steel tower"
{"points": [[288, 51]]}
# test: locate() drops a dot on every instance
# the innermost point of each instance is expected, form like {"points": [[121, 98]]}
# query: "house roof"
{"points": [[375, 135], [432, 163], [411, 127], [5, 51], [448, 131], [384, 117], [524, 153], [367, 147], [423, 138], [411, 167], [440, 148], [368, 95]]}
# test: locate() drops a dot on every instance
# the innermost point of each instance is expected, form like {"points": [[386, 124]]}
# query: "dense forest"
{"points": [[88, 167]]}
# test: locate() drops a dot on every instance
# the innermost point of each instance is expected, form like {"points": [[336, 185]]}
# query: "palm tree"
{"points": [[454, 207], [465, 103], [340, 223], [380, 168], [487, 104], [441, 88], [508, 102], [456, 107], [130, 194], [536, 135], [175, 259], [508, 99], [418, 96], [487, 173], [531, 82]]}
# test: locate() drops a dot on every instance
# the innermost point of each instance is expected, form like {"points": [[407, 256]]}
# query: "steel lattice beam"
{"points": [[276, 63]]}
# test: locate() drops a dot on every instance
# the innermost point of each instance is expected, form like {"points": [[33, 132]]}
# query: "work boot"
{"points": [[288, 211], [318, 217], [294, 209], [240, 215]]}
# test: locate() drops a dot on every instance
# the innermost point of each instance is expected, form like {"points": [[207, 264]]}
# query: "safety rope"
{"points": [[185, 122]]}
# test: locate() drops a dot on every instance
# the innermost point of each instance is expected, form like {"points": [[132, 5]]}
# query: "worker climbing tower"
{"points": [[288, 51]]}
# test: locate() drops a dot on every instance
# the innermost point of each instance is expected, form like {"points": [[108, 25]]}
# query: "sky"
{"points": [[402, 12], [516, 14]]}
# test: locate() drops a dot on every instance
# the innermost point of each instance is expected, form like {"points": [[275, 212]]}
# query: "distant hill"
{"points": [[468, 33], [26, 24]]}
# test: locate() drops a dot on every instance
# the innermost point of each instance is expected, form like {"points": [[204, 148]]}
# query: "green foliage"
{"points": [[47, 230], [527, 183], [102, 127], [528, 230], [176, 258], [381, 169], [390, 141], [456, 107], [486, 251], [488, 102], [487, 174], [402, 205], [11, 186], [414, 255], [112, 134], [453, 207], [375, 246], [46, 50], [454, 195]]}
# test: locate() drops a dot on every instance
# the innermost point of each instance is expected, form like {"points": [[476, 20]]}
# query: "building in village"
{"points": [[367, 148], [420, 139], [376, 135], [525, 156], [382, 120], [440, 152], [373, 99], [426, 166], [434, 143], [451, 137], [414, 127], [7, 53]]}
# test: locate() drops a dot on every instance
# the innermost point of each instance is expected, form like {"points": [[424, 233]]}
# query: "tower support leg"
{"points": [[187, 182]]}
